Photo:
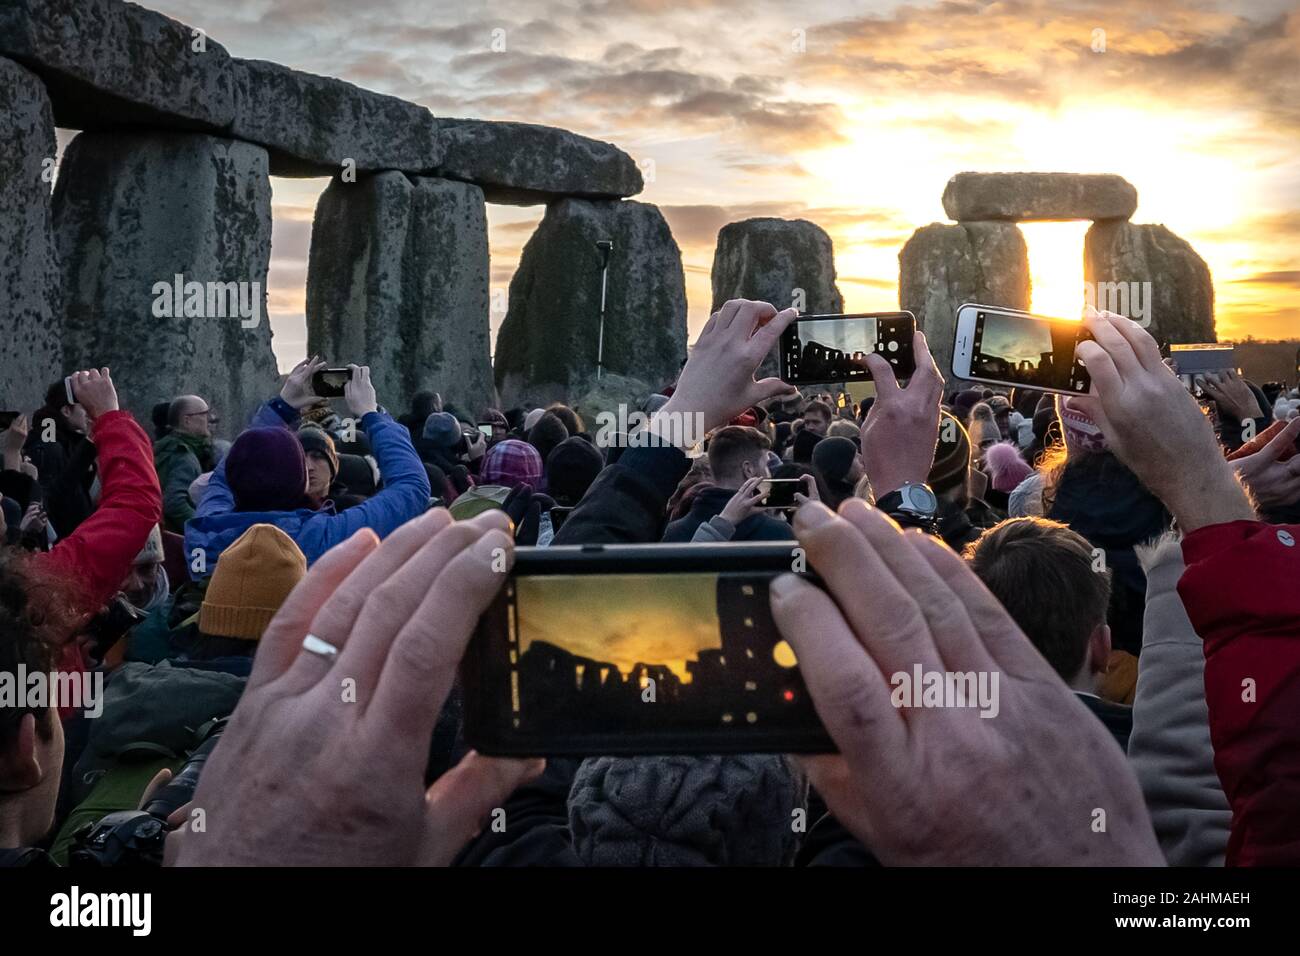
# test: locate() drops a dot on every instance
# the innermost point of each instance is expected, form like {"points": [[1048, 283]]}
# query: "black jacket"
{"points": [[709, 504]]}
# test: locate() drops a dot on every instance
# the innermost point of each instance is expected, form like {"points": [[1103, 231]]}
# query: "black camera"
{"points": [[137, 837]]}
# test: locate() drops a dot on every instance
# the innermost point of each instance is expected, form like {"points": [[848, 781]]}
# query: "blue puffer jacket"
{"points": [[217, 524]]}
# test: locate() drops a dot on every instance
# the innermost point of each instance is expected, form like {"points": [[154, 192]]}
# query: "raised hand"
{"points": [[717, 383], [94, 392], [1155, 427], [297, 390], [323, 762], [1031, 783], [359, 392], [901, 430]]}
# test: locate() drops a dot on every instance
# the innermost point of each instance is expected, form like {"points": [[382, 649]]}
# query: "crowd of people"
{"points": [[1125, 562]]}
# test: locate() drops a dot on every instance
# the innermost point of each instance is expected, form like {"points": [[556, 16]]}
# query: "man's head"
{"points": [[70, 416], [142, 581], [737, 453], [190, 415], [817, 417], [31, 737], [322, 462], [1048, 579]]}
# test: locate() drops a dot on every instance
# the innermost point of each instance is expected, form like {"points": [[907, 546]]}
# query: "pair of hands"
{"points": [[95, 392], [1273, 482], [1233, 396], [901, 431], [748, 499], [304, 777], [358, 393]]}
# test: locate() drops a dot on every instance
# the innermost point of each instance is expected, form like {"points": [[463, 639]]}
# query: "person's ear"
{"points": [[20, 767], [747, 469], [1099, 649]]}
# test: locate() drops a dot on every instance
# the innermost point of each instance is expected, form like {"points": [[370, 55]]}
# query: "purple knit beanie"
{"points": [[267, 470]]}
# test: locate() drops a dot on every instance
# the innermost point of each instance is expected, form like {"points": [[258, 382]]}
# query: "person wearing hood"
{"points": [[839, 463], [181, 455], [64, 456], [264, 479]]}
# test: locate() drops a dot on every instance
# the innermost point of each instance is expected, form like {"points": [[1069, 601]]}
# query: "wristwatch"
{"points": [[913, 505]]}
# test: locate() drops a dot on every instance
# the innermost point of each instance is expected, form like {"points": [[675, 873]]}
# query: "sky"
{"points": [[621, 619], [852, 114]]}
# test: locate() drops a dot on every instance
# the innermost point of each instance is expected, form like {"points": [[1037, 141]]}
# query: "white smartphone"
{"points": [[1003, 346]]}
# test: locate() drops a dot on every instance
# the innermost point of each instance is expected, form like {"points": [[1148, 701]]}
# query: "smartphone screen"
{"points": [[485, 430], [1198, 359], [779, 492], [820, 349], [330, 382], [1018, 349], [598, 654]]}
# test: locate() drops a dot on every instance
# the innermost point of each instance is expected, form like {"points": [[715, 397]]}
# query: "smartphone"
{"points": [[329, 382], [1199, 359], [1008, 347], [7, 419], [779, 492], [638, 649], [485, 430], [68, 391], [820, 349]]}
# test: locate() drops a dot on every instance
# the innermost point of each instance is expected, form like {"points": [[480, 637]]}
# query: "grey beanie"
{"points": [[442, 429], [686, 811]]}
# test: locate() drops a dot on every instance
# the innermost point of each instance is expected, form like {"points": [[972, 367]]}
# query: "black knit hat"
{"points": [[571, 468], [317, 440], [951, 455]]}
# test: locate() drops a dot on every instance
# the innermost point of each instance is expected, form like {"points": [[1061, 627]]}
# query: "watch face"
{"points": [[922, 499]]}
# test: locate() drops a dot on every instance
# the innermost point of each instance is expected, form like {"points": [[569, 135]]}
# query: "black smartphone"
{"points": [[1007, 347], [329, 382], [780, 492], [822, 349], [638, 649], [7, 419]]}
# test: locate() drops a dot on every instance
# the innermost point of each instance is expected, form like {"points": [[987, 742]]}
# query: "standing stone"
{"points": [[1120, 258], [1044, 196], [546, 347], [30, 350], [132, 212], [786, 262], [108, 63], [943, 266], [398, 280]]}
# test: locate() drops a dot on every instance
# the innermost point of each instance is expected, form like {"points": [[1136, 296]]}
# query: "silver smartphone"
{"points": [[1007, 347]]}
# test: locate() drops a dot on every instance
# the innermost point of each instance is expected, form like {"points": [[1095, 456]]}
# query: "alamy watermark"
{"points": [[58, 689], [1129, 299], [922, 688], [632, 429], [208, 300]]}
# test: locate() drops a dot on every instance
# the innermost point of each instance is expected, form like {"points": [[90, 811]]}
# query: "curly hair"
{"points": [[37, 616]]}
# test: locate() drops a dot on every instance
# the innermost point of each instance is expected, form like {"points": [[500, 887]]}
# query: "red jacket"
{"points": [[96, 558], [1241, 594]]}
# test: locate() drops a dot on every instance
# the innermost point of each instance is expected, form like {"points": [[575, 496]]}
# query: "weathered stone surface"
{"points": [[398, 279], [546, 347], [131, 212], [1119, 258], [310, 124], [108, 64], [523, 164], [1042, 196], [30, 348], [787, 262], [942, 266]]}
